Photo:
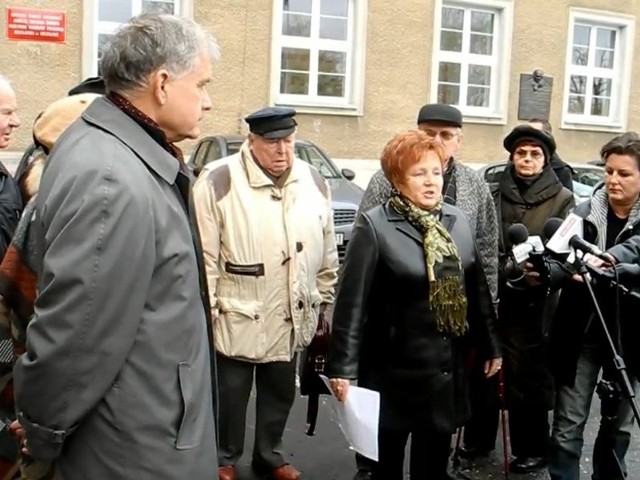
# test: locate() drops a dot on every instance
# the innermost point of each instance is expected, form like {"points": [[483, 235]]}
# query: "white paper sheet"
{"points": [[358, 417]]}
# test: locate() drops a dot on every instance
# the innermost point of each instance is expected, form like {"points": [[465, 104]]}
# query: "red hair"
{"points": [[407, 149]]}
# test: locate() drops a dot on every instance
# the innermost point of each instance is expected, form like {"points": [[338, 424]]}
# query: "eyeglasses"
{"points": [[445, 135], [534, 154]]}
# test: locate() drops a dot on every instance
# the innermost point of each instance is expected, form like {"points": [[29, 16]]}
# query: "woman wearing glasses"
{"points": [[528, 193]]}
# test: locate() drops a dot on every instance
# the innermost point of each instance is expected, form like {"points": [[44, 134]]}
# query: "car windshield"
{"points": [[308, 153]]}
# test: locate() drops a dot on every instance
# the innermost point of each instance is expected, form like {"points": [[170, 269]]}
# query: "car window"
{"points": [[198, 158], [492, 174], [312, 155], [588, 176], [214, 152], [233, 147]]}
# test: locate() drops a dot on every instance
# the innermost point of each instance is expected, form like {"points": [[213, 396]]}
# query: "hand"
{"points": [[16, 429], [340, 387], [530, 276], [599, 262], [491, 367]]}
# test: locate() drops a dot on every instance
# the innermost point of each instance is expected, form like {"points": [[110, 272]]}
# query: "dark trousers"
{"points": [[529, 430], [481, 429], [429, 454], [275, 394]]}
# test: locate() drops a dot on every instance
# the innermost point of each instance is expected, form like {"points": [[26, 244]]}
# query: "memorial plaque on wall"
{"points": [[534, 100]]}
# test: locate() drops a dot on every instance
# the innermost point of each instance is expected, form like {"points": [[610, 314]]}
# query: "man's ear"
{"points": [[159, 81]]}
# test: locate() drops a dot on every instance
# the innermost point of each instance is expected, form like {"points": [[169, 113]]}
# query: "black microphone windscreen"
{"points": [[550, 228], [517, 233]]}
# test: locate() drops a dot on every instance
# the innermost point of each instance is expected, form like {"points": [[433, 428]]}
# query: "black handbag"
{"points": [[314, 360]]}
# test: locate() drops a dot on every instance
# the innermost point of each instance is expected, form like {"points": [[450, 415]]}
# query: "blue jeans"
{"points": [[570, 417]]}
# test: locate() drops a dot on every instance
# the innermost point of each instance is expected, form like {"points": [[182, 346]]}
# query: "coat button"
{"points": [[300, 304], [446, 371], [256, 317]]}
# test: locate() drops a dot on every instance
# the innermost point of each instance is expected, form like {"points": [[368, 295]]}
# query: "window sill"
{"points": [[344, 111], [593, 127], [484, 119]]}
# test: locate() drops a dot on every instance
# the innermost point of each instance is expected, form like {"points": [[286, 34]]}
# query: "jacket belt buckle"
{"points": [[319, 363]]}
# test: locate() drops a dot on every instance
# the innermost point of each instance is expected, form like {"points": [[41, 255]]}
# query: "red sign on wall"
{"points": [[36, 25]]}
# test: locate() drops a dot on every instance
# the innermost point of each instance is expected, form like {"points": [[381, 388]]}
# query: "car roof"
{"points": [[235, 138]]}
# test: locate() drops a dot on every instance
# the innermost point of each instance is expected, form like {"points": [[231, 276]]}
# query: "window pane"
{"points": [[114, 10], [481, 22], [451, 41], [337, 8], [449, 72], [576, 104], [331, 85], [606, 38], [481, 44], [333, 28], [600, 107], [581, 34], [452, 18], [578, 84], [479, 75], [150, 6], [449, 94], [296, 25], [301, 6], [294, 83], [604, 58], [295, 59], [332, 62], [477, 97], [580, 55], [602, 87]]}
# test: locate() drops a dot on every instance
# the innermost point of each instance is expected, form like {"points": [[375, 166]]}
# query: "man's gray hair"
{"points": [[150, 42]]}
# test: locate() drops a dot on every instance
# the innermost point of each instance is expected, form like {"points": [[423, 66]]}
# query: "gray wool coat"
{"points": [[116, 380]]}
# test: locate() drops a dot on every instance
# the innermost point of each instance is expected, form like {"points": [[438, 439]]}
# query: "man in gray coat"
{"points": [[116, 382]]}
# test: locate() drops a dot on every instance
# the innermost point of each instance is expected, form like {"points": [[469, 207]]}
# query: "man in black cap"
{"points": [[266, 225], [463, 187]]}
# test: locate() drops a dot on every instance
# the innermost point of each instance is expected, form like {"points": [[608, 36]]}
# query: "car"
{"points": [[345, 194], [585, 177]]}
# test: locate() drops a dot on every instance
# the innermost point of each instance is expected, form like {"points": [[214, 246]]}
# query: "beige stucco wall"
{"points": [[399, 38]]}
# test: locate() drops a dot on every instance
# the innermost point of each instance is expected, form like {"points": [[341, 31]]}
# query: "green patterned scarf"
{"points": [[444, 269]]}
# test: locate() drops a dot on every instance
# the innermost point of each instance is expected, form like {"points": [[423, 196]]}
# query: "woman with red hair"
{"points": [[413, 303]]}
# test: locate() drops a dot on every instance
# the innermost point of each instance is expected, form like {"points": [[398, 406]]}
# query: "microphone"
{"points": [[578, 243], [524, 247], [551, 227]]}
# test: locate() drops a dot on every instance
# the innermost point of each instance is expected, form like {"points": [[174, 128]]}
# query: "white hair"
{"points": [[149, 42]]}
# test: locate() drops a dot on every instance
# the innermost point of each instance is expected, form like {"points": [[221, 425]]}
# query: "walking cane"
{"points": [[503, 421]]}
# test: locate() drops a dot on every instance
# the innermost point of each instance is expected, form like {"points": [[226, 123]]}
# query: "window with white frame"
{"points": [[108, 15], [315, 61], [598, 68], [471, 56]]}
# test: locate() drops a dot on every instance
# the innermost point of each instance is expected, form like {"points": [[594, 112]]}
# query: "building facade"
{"points": [[357, 71]]}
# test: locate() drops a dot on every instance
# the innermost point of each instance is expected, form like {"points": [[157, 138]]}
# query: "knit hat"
{"points": [[528, 134], [58, 116]]}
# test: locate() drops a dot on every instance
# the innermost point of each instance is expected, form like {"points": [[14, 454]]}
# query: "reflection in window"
{"points": [[316, 48], [466, 55]]}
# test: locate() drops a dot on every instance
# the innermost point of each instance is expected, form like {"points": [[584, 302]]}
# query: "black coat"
{"points": [[525, 313], [563, 171], [384, 332], [575, 308]]}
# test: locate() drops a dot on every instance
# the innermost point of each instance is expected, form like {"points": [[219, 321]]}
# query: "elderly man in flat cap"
{"points": [[266, 225]]}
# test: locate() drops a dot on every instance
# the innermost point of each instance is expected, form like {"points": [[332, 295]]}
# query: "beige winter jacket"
{"points": [[270, 255]]}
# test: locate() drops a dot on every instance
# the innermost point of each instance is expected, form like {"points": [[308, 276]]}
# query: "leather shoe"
{"points": [[227, 473], [527, 464], [285, 472]]}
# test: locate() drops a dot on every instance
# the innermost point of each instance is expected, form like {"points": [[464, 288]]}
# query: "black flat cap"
{"points": [[90, 85], [439, 112], [528, 134], [272, 122]]}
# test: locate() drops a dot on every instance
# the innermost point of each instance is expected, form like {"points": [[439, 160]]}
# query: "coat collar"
{"points": [[447, 218], [106, 116], [257, 177]]}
